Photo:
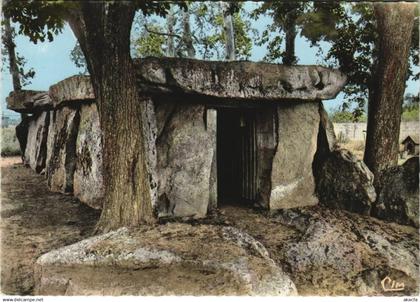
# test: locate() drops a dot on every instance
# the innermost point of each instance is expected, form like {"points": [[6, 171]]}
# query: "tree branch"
{"points": [[161, 33]]}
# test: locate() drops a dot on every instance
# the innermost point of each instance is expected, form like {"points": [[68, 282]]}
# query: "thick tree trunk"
{"points": [[289, 57], [186, 34], [395, 24], [103, 31], [229, 31], [170, 24]]}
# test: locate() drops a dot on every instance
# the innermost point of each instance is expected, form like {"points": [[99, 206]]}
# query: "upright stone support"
{"points": [[292, 179], [62, 158], [36, 144], [88, 181], [185, 151]]}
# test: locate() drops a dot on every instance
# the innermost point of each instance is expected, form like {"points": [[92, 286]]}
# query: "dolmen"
{"points": [[220, 132]]}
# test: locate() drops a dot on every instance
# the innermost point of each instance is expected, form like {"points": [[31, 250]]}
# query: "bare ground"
{"points": [[34, 221]]}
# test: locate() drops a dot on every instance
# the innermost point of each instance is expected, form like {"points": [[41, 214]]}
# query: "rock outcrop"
{"points": [[344, 182], [172, 259], [342, 253], [398, 194]]}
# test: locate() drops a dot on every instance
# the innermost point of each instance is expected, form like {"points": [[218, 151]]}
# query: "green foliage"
{"points": [[38, 20], [25, 76], [285, 16], [353, 51], [149, 43], [410, 108], [78, 58], [316, 21], [42, 19], [340, 115], [209, 35], [351, 31], [206, 31], [410, 115]]}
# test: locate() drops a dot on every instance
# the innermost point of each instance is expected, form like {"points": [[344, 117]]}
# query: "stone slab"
{"points": [[62, 155], [345, 182], [75, 88], [27, 101], [36, 144], [185, 149], [239, 80], [171, 259], [292, 179], [88, 181]]}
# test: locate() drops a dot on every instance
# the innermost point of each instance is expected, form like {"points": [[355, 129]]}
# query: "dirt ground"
{"points": [[34, 221]]}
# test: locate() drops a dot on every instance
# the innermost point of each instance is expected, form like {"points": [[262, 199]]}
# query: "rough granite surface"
{"points": [[172, 259]]}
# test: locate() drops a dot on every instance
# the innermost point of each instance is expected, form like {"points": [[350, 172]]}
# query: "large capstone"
{"points": [[73, 89], [238, 80], [398, 194], [29, 101], [62, 155], [88, 181], [344, 182], [292, 179], [171, 259], [185, 144]]}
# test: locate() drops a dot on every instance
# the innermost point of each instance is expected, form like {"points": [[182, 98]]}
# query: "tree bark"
{"points": [[22, 128], [170, 23], [10, 46], [289, 57], [103, 31], [186, 34], [395, 25], [229, 31]]}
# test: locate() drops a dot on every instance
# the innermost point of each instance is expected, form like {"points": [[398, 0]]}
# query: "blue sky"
{"points": [[51, 62]]}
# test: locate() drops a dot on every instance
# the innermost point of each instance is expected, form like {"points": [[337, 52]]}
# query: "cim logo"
{"points": [[389, 285]]}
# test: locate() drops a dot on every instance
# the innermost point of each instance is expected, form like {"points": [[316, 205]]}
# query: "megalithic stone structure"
{"points": [[219, 132]]}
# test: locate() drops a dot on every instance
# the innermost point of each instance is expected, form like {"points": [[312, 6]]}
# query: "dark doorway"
{"points": [[236, 157]]}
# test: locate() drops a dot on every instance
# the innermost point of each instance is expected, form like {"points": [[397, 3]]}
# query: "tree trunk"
{"points": [[187, 35], [22, 128], [103, 31], [10, 46], [170, 23], [289, 57], [229, 31], [395, 24]]}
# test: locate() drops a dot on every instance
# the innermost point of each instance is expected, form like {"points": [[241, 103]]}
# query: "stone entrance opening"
{"points": [[236, 156]]}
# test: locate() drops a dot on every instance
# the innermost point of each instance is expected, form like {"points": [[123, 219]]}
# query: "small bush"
{"points": [[411, 114], [9, 143]]}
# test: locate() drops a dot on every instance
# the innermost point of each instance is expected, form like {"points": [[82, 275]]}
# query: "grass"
{"points": [[9, 142], [356, 147]]}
